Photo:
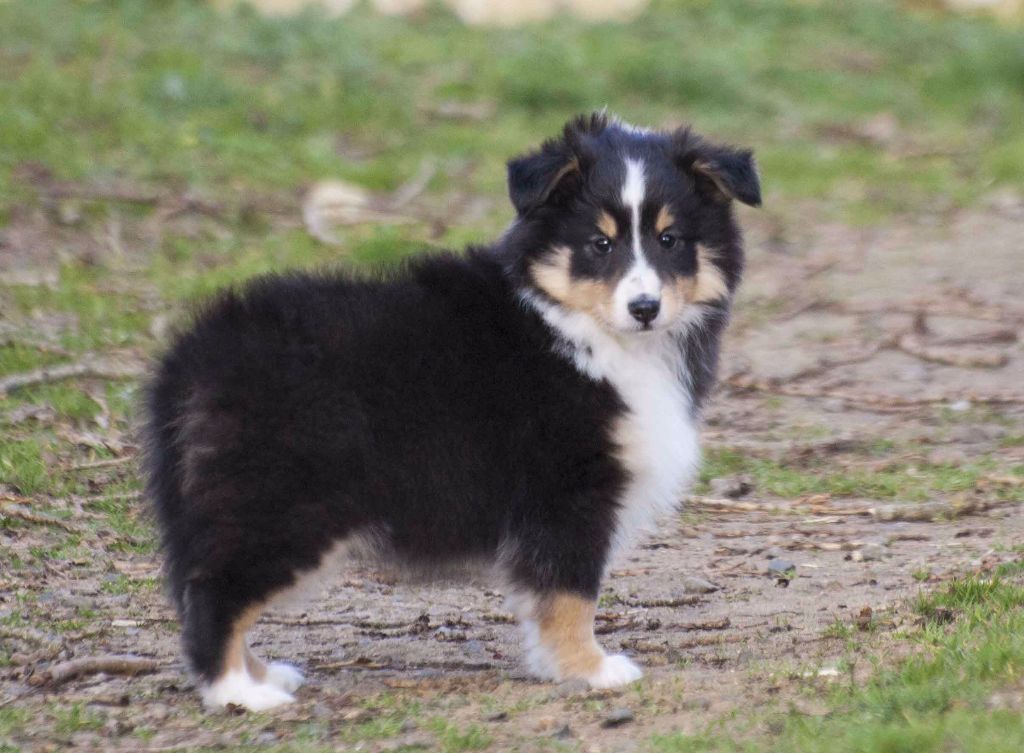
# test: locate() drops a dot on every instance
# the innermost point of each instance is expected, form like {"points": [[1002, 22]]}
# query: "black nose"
{"points": [[644, 309]]}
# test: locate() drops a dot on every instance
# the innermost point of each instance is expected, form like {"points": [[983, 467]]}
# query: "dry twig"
{"points": [[416, 185], [912, 345], [114, 664], [88, 367], [881, 403], [7, 510], [106, 463]]}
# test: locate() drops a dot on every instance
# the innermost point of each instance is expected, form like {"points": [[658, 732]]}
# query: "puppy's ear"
{"points": [[534, 178], [556, 170], [722, 172]]}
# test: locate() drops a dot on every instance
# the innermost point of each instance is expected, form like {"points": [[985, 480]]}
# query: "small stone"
{"points": [[871, 552], [69, 213], [407, 742], [562, 733], [408, 726], [972, 434], [947, 456], [916, 373], [731, 487], [496, 716], [357, 716], [864, 618], [568, 689], [160, 326], [695, 585], [617, 718], [781, 568], [546, 724]]}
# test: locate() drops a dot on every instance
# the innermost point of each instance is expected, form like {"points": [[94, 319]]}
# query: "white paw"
{"points": [[614, 671], [239, 689], [284, 676]]}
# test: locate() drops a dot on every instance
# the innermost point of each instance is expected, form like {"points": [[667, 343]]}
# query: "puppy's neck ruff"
{"points": [[656, 435]]}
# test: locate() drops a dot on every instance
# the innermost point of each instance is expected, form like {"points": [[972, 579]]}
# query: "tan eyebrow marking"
{"points": [[665, 220], [607, 225]]}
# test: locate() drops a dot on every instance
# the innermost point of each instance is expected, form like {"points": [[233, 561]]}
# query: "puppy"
{"points": [[528, 406]]}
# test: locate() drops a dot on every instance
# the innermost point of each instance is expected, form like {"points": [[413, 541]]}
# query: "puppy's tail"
{"points": [[162, 463]]}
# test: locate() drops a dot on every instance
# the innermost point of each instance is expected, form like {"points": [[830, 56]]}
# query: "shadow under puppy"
{"points": [[528, 406]]}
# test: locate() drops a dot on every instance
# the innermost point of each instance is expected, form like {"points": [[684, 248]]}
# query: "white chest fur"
{"points": [[657, 437]]}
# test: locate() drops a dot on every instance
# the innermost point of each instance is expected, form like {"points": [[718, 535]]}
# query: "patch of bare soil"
{"points": [[844, 338]]}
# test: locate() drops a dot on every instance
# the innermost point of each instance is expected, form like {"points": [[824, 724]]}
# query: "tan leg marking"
{"points": [[237, 654], [665, 220], [607, 225], [566, 625], [255, 666]]}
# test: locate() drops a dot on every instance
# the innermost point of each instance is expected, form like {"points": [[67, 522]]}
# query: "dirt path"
{"points": [[882, 356]]}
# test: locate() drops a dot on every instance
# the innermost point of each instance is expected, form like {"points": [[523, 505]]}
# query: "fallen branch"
{"points": [[107, 463], [721, 624], [881, 403], [360, 662], [930, 512], [88, 367], [22, 413], [86, 193], [91, 665], [649, 647], [907, 511], [27, 635], [799, 505], [20, 513], [1005, 480], [416, 185], [54, 350], [678, 601], [912, 345]]}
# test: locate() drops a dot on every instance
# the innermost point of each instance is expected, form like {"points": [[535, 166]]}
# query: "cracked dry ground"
{"points": [[871, 377]]}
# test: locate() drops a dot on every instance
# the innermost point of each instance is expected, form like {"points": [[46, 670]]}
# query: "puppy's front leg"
{"points": [[559, 629]]}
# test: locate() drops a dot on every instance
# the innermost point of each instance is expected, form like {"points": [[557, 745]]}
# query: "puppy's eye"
{"points": [[667, 240], [601, 245]]}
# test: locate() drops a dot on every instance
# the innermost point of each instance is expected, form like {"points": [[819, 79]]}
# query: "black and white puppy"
{"points": [[529, 406]]}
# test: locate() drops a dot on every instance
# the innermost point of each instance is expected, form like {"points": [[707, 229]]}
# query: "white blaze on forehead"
{"points": [[633, 190], [641, 279]]}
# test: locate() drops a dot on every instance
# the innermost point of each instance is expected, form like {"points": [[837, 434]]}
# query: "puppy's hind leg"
{"points": [[229, 673], [280, 674]]}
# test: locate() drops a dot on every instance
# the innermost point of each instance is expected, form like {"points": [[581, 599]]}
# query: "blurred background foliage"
{"points": [[193, 129], [872, 107]]}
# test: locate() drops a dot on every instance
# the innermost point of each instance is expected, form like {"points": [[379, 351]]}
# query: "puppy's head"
{"points": [[629, 226]]}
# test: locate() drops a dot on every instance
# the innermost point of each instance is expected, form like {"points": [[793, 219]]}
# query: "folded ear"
{"points": [[724, 172], [533, 178], [557, 168]]}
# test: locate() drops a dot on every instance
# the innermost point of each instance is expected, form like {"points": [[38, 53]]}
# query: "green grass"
{"points": [[912, 482], [22, 465], [942, 699], [174, 92], [455, 740]]}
